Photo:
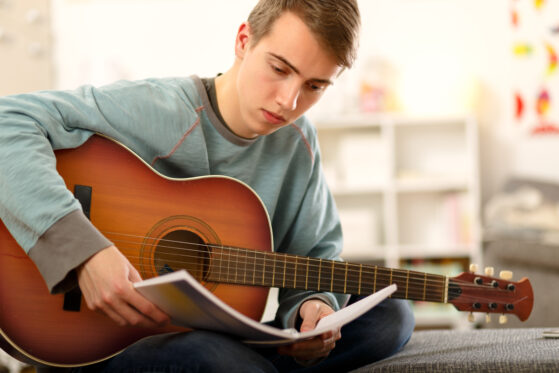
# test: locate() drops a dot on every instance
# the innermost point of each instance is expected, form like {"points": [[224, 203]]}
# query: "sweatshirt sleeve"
{"points": [[34, 198], [35, 205], [316, 232]]}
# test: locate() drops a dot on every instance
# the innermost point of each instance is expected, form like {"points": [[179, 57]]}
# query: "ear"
{"points": [[242, 40]]}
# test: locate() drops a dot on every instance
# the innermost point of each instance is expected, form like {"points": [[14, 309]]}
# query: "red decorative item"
{"points": [[519, 106]]}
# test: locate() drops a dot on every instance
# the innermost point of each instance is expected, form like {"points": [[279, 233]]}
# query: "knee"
{"points": [[390, 326], [401, 320]]}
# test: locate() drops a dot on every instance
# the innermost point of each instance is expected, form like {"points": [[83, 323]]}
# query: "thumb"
{"points": [[310, 319], [134, 275]]}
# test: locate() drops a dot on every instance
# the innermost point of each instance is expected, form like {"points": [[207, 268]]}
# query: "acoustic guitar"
{"points": [[215, 227]]}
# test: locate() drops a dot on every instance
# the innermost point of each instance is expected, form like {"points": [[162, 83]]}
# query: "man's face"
{"points": [[280, 77]]}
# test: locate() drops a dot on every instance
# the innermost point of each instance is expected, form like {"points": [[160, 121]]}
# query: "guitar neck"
{"points": [[257, 268]]}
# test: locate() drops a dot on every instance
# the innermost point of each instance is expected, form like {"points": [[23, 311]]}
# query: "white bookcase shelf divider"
{"points": [[407, 188]]}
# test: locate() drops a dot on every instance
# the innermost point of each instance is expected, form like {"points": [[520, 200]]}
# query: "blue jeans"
{"points": [[374, 336]]}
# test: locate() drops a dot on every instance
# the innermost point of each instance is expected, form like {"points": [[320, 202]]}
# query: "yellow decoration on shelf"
{"points": [[522, 49]]}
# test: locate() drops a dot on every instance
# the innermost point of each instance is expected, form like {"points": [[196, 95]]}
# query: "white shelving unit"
{"points": [[407, 189]]}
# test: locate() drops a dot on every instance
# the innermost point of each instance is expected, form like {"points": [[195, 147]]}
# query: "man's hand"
{"points": [[320, 346], [106, 281]]}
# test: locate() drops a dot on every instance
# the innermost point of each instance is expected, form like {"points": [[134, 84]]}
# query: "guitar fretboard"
{"points": [[257, 268]]}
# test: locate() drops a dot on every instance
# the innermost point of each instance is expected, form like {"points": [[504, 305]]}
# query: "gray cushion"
{"points": [[487, 350]]}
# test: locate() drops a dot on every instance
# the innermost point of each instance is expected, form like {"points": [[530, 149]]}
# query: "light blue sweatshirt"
{"points": [[171, 125]]}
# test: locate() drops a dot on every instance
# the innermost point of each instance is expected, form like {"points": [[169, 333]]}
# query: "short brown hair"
{"points": [[335, 23]]}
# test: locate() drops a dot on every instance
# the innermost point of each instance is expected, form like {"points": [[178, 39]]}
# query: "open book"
{"points": [[191, 305]]}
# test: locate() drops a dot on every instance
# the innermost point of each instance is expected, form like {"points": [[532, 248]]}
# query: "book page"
{"points": [[191, 305]]}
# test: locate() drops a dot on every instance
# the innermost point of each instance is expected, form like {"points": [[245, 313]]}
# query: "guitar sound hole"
{"points": [[182, 249]]}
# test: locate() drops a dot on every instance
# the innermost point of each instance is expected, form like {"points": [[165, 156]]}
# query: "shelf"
{"points": [[431, 184], [451, 250], [364, 190], [407, 188], [369, 120]]}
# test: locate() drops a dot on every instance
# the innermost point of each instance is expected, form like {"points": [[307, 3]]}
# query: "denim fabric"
{"points": [[376, 335]]}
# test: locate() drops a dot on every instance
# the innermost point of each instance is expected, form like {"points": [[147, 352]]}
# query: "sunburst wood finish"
{"points": [[129, 202], [215, 227]]}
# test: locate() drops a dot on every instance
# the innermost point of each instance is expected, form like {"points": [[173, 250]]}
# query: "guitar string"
{"points": [[421, 276], [415, 291], [403, 274], [273, 254], [321, 266], [230, 277]]}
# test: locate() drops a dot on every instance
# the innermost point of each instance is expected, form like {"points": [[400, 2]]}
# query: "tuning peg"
{"points": [[473, 267], [487, 318], [489, 271], [471, 317], [502, 319], [505, 275]]}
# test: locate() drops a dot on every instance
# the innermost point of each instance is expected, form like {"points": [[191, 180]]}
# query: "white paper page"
{"points": [[191, 305]]}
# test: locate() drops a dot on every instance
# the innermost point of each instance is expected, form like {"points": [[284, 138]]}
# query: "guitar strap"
{"points": [[73, 298]]}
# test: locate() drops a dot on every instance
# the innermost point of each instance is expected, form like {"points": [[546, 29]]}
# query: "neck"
{"points": [[228, 100], [250, 267]]}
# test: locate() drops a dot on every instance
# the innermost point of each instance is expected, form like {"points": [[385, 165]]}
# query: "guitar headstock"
{"points": [[483, 293]]}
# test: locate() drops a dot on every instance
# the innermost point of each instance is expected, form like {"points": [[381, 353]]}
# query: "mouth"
{"points": [[273, 118]]}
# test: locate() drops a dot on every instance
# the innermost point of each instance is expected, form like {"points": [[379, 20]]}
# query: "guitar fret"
{"points": [[375, 281], [407, 282], [264, 268], [319, 271], [236, 266], [245, 270], [220, 265], [254, 269], [424, 286], [307, 275], [274, 271], [284, 269], [332, 277], [360, 275], [228, 267], [345, 277], [295, 275]]}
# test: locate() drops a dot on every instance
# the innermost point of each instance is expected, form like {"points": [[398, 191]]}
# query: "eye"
{"points": [[278, 70], [316, 87]]}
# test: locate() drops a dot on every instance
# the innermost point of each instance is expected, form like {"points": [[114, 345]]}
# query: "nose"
{"points": [[288, 94]]}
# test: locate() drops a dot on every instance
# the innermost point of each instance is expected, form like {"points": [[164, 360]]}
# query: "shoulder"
{"points": [[181, 89], [305, 132]]}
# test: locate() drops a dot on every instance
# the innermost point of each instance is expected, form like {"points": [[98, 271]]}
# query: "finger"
{"points": [[308, 354], [146, 308], [308, 324], [134, 275], [128, 312], [124, 306], [113, 315], [310, 317], [308, 349], [311, 312], [143, 305]]}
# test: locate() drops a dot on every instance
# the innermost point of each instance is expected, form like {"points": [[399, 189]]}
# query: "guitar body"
{"points": [[148, 217]]}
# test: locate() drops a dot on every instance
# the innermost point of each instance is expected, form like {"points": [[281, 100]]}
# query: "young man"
{"points": [[247, 123]]}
